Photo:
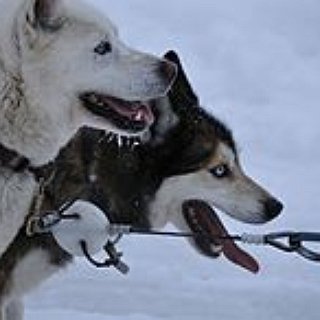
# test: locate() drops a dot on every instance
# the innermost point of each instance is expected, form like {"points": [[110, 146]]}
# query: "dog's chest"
{"points": [[16, 192]]}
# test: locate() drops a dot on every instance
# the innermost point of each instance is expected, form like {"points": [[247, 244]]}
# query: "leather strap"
{"points": [[13, 160]]}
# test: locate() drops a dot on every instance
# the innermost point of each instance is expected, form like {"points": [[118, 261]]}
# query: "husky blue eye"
{"points": [[220, 171], [103, 48]]}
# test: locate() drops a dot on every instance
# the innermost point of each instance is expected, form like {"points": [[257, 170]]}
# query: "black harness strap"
{"points": [[13, 160], [18, 163]]}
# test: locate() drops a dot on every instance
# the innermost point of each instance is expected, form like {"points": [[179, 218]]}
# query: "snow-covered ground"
{"points": [[256, 64]]}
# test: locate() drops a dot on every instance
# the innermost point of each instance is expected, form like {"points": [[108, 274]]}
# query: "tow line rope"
{"points": [[288, 241]]}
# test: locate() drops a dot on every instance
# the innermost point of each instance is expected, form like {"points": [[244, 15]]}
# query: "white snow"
{"points": [[256, 64]]}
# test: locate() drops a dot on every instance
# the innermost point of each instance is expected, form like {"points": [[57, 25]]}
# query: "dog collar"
{"points": [[13, 160]]}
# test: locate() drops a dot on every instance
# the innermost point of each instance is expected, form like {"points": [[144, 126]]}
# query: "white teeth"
{"points": [[138, 116], [100, 104]]}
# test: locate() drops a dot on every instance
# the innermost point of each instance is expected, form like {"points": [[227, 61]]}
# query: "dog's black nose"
{"points": [[272, 208]]}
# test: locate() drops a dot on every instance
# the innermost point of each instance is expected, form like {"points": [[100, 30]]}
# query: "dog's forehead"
{"points": [[85, 13], [224, 153]]}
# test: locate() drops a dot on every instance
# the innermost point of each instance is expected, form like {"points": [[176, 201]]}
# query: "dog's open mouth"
{"points": [[125, 115], [211, 237]]}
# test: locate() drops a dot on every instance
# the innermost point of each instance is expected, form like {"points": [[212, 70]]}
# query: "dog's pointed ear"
{"points": [[46, 14], [181, 91]]}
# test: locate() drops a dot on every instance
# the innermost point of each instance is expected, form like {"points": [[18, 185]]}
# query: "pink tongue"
{"points": [[135, 111], [207, 216], [238, 256]]}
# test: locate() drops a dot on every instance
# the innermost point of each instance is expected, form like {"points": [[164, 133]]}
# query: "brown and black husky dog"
{"points": [[188, 155]]}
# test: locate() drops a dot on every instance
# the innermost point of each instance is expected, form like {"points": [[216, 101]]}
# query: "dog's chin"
{"points": [[129, 118], [249, 218]]}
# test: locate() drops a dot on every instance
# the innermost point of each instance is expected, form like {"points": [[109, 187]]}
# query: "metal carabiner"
{"points": [[113, 259], [297, 239], [294, 242], [278, 241]]}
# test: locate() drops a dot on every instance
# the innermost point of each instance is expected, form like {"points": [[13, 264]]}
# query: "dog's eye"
{"points": [[103, 48], [220, 171]]}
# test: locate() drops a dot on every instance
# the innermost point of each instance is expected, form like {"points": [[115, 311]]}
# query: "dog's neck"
{"points": [[30, 134], [25, 129]]}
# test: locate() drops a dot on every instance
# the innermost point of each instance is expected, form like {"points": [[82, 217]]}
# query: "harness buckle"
{"points": [[44, 222], [39, 224]]}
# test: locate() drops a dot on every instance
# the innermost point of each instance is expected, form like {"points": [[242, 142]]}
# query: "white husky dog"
{"points": [[62, 66]]}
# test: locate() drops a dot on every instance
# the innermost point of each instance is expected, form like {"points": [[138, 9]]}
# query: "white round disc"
{"points": [[90, 227]]}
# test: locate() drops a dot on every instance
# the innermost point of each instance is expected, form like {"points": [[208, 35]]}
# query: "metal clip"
{"points": [[280, 240], [113, 260], [296, 240], [293, 242], [44, 222]]}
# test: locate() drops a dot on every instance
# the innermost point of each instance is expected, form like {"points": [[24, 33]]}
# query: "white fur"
{"points": [[12, 310], [41, 76], [239, 196], [16, 192], [28, 274]]}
